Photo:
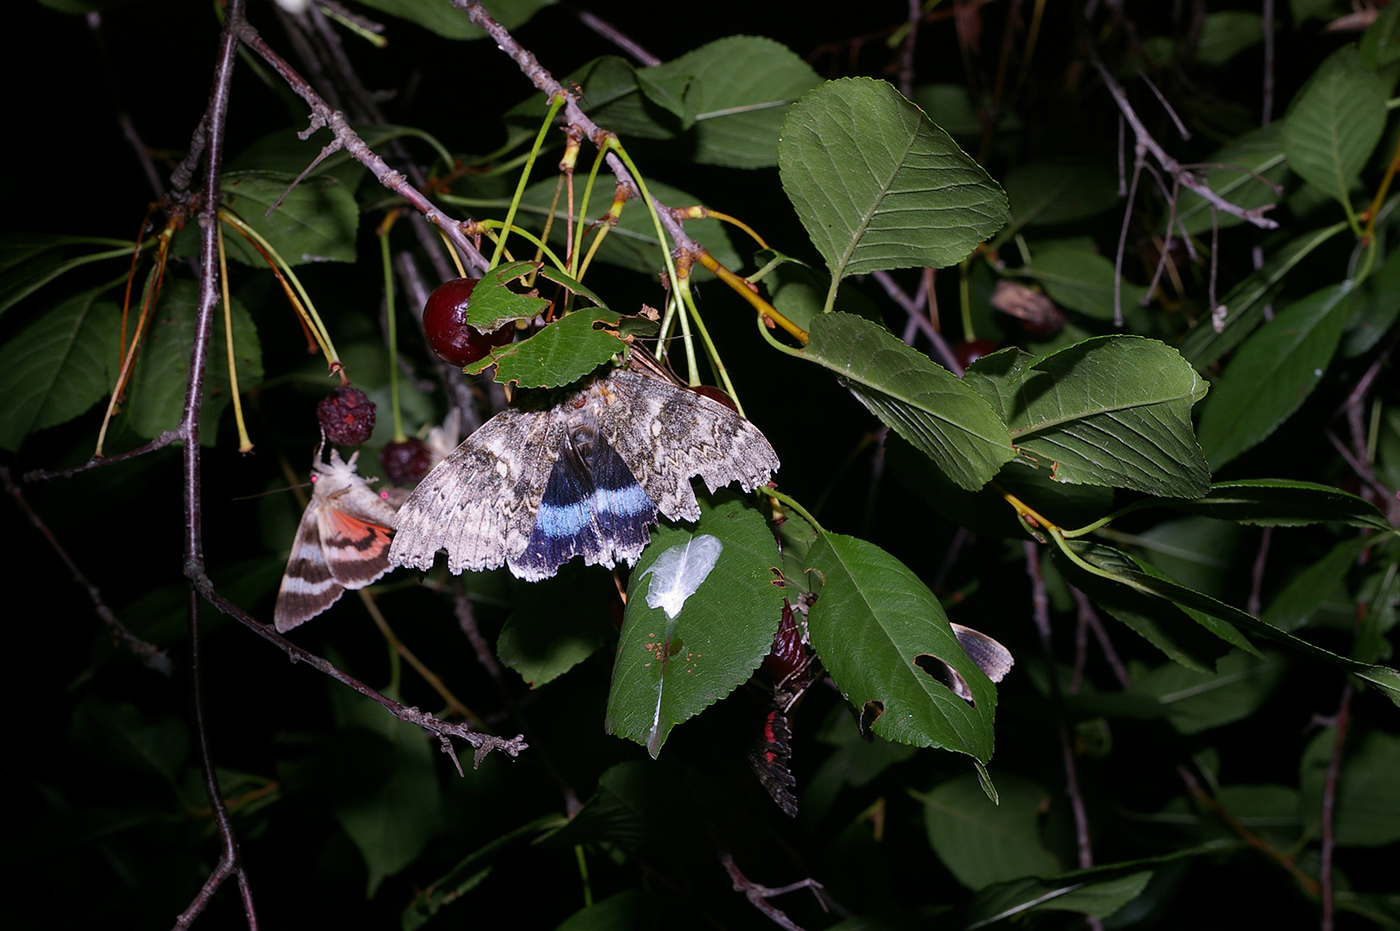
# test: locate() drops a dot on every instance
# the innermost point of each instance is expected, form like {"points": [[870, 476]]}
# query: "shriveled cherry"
{"points": [[346, 416], [788, 653], [406, 462], [445, 324]]}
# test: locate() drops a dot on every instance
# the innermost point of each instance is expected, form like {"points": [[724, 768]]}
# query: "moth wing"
{"points": [[356, 551], [308, 587], [480, 502], [666, 434]]}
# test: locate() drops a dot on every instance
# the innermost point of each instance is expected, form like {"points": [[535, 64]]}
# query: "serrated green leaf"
{"points": [[1082, 280], [494, 303], [884, 638], [669, 669], [1117, 567], [441, 17], [924, 402], [877, 186], [799, 291], [732, 95], [1334, 123], [1241, 171], [126, 739], [1113, 410], [560, 354], [391, 824], [316, 221], [542, 640], [157, 397], [58, 366], [1272, 374], [1280, 502], [1375, 308], [983, 843]]}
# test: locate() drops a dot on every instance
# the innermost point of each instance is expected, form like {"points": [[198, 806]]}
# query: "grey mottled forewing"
{"points": [[666, 434], [480, 502]]}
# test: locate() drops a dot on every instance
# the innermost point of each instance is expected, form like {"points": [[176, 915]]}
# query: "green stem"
{"points": [[554, 104]]}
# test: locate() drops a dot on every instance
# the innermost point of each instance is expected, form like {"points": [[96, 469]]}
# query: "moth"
{"points": [[342, 542], [578, 472]]}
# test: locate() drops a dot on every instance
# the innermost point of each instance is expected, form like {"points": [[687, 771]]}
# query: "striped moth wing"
{"points": [[342, 542]]}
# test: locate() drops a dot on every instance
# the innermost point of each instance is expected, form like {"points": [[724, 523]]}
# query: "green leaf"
{"points": [[494, 303], [1334, 123], [1113, 410], [1281, 502], [877, 186], [316, 221], [1272, 374], [391, 824], [129, 740], [637, 804], [1368, 794], [923, 402], [541, 640], [949, 106], [1052, 192], [58, 366], [1317, 583], [31, 260], [983, 843], [1082, 280], [1375, 308], [799, 291], [1226, 33], [736, 92], [1246, 301], [441, 17], [560, 354], [1380, 45], [669, 669], [888, 646], [157, 397], [631, 908], [1195, 702], [1239, 171]]}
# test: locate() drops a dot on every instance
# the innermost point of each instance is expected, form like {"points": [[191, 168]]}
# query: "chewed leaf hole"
{"points": [[868, 713], [946, 676]]}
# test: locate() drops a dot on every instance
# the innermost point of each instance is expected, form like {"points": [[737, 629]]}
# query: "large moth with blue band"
{"points": [[584, 471]]}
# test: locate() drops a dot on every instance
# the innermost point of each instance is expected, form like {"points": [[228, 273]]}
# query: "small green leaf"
{"points": [[316, 221], [1082, 280], [1322, 581], [668, 668], [949, 106], [1334, 123], [1272, 374], [31, 260], [924, 402], [1226, 33], [799, 292], [888, 645], [1194, 701], [560, 354], [877, 186], [1113, 410], [58, 366], [983, 843]]}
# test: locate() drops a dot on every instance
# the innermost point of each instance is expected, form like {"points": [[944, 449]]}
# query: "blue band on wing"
{"points": [[594, 509]]}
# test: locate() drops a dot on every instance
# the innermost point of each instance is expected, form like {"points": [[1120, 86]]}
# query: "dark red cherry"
{"points": [[970, 351], [406, 462], [346, 415], [716, 394], [445, 324]]}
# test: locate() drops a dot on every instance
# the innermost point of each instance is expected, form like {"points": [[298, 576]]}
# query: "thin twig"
{"points": [[1329, 808]]}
